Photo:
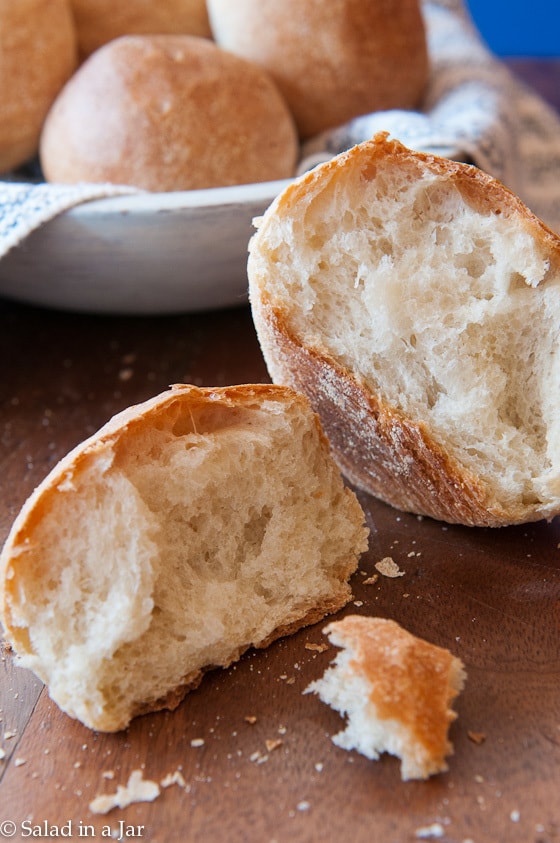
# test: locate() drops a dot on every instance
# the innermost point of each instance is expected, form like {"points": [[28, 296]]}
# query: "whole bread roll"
{"points": [[168, 112], [332, 60], [396, 690], [416, 302], [100, 21], [37, 56], [188, 529]]}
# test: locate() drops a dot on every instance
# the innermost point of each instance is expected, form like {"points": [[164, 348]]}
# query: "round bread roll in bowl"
{"points": [[37, 56], [168, 112], [332, 61], [100, 21]]}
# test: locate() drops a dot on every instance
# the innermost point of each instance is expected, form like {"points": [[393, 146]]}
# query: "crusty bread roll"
{"points": [[100, 21], [189, 528], [416, 302], [332, 60], [396, 690], [37, 56], [168, 112]]}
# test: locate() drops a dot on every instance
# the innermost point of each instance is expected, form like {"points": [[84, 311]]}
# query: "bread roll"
{"points": [[396, 690], [332, 60], [188, 529], [100, 21], [168, 112], [37, 56], [416, 302]]}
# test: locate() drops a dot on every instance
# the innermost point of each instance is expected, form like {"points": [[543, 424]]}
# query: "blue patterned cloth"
{"points": [[24, 207]]}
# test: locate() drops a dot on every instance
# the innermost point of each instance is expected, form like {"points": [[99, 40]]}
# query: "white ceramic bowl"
{"points": [[155, 253], [146, 253]]}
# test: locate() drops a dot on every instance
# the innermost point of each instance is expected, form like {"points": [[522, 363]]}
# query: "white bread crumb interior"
{"points": [[437, 293], [186, 530]]}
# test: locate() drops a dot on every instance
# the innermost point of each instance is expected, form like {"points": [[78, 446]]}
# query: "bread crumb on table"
{"points": [[173, 778], [317, 648], [137, 789], [258, 758], [371, 580], [476, 737], [389, 568], [430, 831]]}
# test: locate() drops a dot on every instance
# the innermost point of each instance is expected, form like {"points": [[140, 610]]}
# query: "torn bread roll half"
{"points": [[416, 301], [188, 529], [395, 689]]}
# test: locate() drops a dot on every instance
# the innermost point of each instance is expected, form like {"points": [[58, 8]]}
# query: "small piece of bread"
{"points": [[165, 113], [37, 56], [188, 529], [396, 690], [416, 301], [100, 21], [331, 60]]}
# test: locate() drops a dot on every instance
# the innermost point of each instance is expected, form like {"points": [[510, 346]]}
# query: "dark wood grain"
{"points": [[492, 597], [542, 75]]}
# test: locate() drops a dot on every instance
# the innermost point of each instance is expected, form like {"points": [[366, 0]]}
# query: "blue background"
{"points": [[518, 27]]}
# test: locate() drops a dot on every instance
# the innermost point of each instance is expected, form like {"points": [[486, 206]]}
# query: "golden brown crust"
{"points": [[37, 56], [332, 61], [482, 191], [314, 615], [376, 446], [168, 112], [410, 681], [100, 21], [169, 702]]}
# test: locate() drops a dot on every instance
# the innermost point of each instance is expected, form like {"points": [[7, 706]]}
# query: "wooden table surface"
{"points": [[492, 597]]}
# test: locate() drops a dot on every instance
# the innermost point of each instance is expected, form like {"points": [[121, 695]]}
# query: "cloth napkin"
{"points": [[474, 109]]}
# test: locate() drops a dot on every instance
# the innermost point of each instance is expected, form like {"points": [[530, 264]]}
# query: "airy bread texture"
{"points": [[100, 21], [168, 112], [188, 529], [416, 301], [396, 690], [331, 60], [37, 56]]}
